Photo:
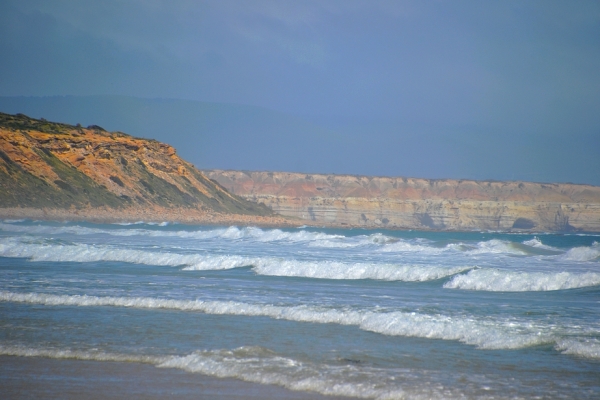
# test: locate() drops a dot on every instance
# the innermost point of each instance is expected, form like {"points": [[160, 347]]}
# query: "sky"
{"points": [[434, 89]]}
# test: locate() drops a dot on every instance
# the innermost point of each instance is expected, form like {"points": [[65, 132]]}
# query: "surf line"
{"points": [[483, 334]]}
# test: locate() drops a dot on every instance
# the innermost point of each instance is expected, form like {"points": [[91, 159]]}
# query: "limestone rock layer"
{"points": [[408, 203]]}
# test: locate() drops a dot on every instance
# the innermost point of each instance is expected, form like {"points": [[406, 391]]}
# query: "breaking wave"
{"points": [[581, 347], [403, 246], [231, 233], [273, 266], [495, 280], [496, 246], [483, 333], [375, 239], [379, 241], [537, 243], [590, 253], [338, 270], [90, 253]]}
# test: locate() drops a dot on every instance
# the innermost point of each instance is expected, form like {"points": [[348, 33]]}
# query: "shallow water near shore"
{"points": [[368, 314]]}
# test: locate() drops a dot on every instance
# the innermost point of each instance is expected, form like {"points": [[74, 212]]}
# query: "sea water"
{"points": [[370, 314]]}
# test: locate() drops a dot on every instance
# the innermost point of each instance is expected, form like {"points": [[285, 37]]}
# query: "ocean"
{"points": [[360, 313]]}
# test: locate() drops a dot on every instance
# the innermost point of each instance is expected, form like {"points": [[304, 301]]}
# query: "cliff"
{"points": [[53, 166], [347, 200]]}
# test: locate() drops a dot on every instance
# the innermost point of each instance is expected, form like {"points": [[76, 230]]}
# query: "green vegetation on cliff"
{"points": [[53, 165]]}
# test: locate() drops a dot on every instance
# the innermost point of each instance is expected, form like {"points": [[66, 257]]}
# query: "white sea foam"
{"points": [[404, 246], [11, 247], [537, 243], [376, 239], [260, 365], [339, 270], [230, 233], [496, 280], [274, 266], [496, 246], [581, 347], [277, 235], [21, 351], [583, 253], [329, 377], [483, 333], [312, 239], [233, 233]]}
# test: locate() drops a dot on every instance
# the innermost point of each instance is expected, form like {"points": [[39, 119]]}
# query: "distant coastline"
{"points": [[421, 204], [54, 171]]}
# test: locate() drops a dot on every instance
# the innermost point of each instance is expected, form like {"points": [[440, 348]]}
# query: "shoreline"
{"points": [[197, 217], [41, 377]]}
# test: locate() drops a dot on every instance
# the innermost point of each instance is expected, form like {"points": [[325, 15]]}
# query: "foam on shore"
{"points": [[260, 365]]}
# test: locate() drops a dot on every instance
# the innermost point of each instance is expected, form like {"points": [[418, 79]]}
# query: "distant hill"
{"points": [[54, 165]]}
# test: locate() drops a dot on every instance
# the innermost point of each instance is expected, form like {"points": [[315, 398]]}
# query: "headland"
{"points": [[58, 171]]}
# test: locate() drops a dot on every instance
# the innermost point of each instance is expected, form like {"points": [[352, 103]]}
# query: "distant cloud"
{"points": [[507, 71]]}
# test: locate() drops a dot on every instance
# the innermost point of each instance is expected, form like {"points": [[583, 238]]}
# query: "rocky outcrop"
{"points": [[46, 165], [348, 200]]}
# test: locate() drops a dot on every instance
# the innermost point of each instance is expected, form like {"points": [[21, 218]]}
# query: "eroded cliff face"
{"points": [[52, 165], [347, 200]]}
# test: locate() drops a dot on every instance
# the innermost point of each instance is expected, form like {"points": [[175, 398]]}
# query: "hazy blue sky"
{"points": [[463, 89]]}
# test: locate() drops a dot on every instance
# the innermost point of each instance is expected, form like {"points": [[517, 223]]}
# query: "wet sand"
{"points": [[45, 378]]}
